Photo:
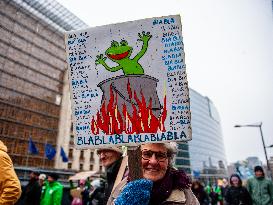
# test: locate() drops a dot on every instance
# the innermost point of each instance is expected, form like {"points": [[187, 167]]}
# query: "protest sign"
{"points": [[128, 83]]}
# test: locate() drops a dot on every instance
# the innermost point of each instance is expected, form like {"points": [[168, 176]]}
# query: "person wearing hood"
{"points": [[260, 188], [236, 194], [110, 159], [32, 192], [10, 188], [52, 192]]}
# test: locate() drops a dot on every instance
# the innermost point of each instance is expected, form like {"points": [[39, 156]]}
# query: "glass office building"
{"points": [[32, 71], [206, 149]]}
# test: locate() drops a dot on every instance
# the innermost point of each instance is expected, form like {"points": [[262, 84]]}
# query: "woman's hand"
{"points": [[135, 193]]}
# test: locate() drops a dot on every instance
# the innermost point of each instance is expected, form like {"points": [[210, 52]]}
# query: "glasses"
{"points": [[105, 152], [148, 154]]}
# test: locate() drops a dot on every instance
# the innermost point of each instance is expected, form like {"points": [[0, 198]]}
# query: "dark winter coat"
{"points": [[213, 198], [238, 196], [111, 175], [201, 195], [32, 193], [97, 196]]}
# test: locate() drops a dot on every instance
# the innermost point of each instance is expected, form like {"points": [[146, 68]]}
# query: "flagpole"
{"points": [[25, 173], [44, 154], [31, 150]]}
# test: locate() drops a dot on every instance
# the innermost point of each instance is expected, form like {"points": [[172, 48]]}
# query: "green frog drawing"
{"points": [[120, 53]]}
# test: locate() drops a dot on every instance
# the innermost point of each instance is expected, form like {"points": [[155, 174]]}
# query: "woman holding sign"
{"points": [[161, 183]]}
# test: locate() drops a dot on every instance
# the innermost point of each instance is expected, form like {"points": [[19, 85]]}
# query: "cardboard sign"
{"points": [[128, 83]]}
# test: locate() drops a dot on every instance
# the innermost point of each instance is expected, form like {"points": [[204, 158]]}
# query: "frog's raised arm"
{"points": [[145, 37], [101, 60]]}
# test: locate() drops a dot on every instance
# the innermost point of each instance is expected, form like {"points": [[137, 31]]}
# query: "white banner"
{"points": [[128, 83]]}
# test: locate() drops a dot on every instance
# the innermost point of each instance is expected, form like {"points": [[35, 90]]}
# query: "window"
{"points": [[91, 167], [70, 154], [91, 156], [183, 154], [81, 167], [182, 162], [183, 146], [81, 155], [69, 166], [71, 138]]}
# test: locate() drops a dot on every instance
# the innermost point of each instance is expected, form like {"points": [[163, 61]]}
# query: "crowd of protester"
{"points": [[161, 184], [258, 190]]}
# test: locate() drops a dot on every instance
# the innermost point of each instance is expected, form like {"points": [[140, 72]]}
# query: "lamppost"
{"points": [[265, 153]]}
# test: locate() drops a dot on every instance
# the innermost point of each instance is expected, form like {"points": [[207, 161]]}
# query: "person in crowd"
{"points": [[214, 198], [110, 159], [97, 193], [218, 190], [208, 188], [161, 183], [42, 178], [85, 187], [224, 187], [199, 191], [10, 188], [76, 193], [32, 192], [260, 188], [53, 191], [80, 194], [236, 194]]}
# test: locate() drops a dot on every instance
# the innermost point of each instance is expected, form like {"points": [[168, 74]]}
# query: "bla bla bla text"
{"points": [[86, 94], [182, 122], [175, 38], [171, 44], [76, 83], [78, 39], [175, 84], [173, 50], [177, 73], [135, 138], [176, 67], [178, 78], [164, 21], [171, 56], [82, 112]]}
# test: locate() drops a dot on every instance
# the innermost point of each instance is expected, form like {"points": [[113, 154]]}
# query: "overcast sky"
{"points": [[229, 57]]}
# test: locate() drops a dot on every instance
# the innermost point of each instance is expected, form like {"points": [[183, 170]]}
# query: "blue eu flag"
{"points": [[196, 173], [63, 155], [49, 151], [31, 147]]}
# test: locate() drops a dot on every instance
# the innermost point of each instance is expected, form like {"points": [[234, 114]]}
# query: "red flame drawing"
{"points": [[142, 120]]}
